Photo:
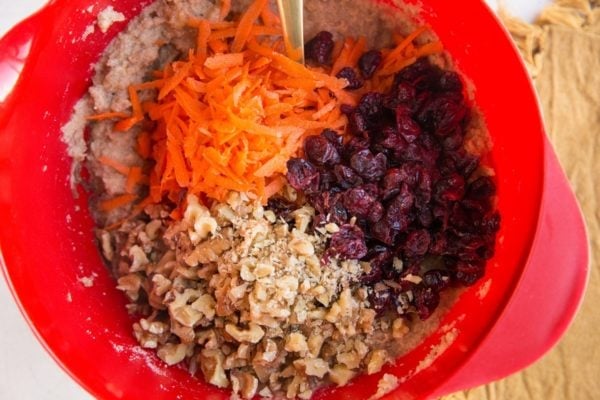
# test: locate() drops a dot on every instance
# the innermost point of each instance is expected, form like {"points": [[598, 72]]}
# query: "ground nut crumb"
{"points": [[386, 384], [107, 17]]}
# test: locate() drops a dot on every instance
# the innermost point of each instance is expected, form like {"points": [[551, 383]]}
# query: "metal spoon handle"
{"points": [[292, 20]]}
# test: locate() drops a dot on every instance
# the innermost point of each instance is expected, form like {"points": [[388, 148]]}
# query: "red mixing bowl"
{"points": [[517, 312]]}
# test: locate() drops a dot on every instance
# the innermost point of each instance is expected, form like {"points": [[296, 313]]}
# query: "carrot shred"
{"points": [[225, 9], [204, 31], [114, 164], [224, 60], [144, 145], [245, 25], [117, 202], [134, 178], [106, 115]]}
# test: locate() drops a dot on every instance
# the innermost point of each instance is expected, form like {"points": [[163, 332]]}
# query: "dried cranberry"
{"points": [[379, 260], [376, 212], [371, 107], [281, 206], [406, 125], [302, 175], [482, 187], [425, 217], [404, 93], [320, 151], [453, 141], [369, 62], [346, 177], [358, 202], [436, 279], [491, 225], [354, 145], [426, 301], [413, 72], [329, 204], [383, 232], [358, 124], [349, 74], [450, 82], [450, 188], [334, 138], [391, 183], [327, 180], [442, 114], [438, 245], [381, 300], [417, 243], [348, 243], [469, 273], [394, 142], [368, 166], [319, 48]]}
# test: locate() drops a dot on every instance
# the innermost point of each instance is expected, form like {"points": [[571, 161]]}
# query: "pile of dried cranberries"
{"points": [[403, 188]]}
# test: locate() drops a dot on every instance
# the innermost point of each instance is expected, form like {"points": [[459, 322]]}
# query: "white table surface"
{"points": [[26, 371]]}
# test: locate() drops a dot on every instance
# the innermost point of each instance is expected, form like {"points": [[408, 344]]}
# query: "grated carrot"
{"points": [[106, 115], [225, 9], [134, 178], [117, 202], [114, 164], [245, 25]]}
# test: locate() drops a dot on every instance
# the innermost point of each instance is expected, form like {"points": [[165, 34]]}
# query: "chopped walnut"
{"points": [[211, 364], [253, 334], [244, 384], [244, 297], [172, 353]]}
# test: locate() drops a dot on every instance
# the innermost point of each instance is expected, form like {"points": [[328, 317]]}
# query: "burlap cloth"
{"points": [[562, 50]]}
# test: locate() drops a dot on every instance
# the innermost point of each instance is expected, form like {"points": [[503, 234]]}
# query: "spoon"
{"points": [[292, 20]]}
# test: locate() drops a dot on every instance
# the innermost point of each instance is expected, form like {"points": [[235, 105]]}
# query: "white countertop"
{"points": [[26, 371]]}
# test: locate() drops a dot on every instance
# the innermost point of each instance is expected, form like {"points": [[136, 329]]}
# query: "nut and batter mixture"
{"points": [[279, 227]]}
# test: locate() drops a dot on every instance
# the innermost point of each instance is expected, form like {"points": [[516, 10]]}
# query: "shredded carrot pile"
{"points": [[236, 109]]}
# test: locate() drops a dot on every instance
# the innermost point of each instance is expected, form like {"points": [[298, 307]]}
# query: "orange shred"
{"points": [[245, 25], [117, 202], [225, 9], [144, 145], [230, 115], [204, 31], [134, 178], [114, 164], [106, 115], [219, 61]]}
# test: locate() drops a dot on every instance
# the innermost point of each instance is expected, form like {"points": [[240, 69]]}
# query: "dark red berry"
{"points": [[436, 279], [369, 62], [320, 151], [348, 243], [406, 125], [358, 202], [381, 300], [302, 175], [426, 301], [346, 177], [319, 48], [349, 74], [417, 243], [369, 166], [450, 188], [483, 187]]}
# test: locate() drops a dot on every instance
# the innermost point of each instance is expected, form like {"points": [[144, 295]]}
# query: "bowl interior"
{"points": [[46, 233]]}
